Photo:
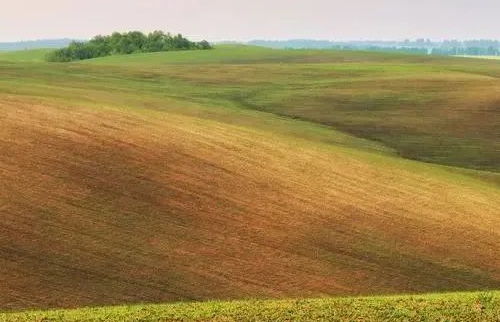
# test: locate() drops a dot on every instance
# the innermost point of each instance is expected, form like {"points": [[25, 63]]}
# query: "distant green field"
{"points": [[453, 307], [242, 54], [32, 55], [434, 109]]}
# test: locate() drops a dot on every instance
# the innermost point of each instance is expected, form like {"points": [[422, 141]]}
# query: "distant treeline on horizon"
{"points": [[481, 47]]}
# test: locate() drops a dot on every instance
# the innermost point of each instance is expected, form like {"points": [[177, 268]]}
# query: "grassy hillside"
{"points": [[434, 109], [242, 54], [466, 307], [125, 182], [33, 55]]}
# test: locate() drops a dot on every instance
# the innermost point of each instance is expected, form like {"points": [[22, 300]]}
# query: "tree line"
{"points": [[442, 51], [468, 51], [475, 47], [405, 50], [125, 43]]}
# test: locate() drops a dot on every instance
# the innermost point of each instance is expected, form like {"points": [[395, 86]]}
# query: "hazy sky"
{"points": [[218, 20]]}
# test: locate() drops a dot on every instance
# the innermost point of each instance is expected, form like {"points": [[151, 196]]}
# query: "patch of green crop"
{"points": [[453, 307], [434, 109], [33, 55]]}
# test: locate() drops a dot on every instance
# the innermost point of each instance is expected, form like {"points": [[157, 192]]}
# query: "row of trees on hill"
{"points": [[477, 47], [125, 43], [471, 51], [406, 50]]}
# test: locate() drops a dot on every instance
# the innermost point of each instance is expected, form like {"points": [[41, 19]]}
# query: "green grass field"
{"points": [[433, 109], [455, 307], [246, 172], [33, 55]]}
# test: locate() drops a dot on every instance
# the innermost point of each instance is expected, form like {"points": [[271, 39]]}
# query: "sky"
{"points": [[241, 20]]}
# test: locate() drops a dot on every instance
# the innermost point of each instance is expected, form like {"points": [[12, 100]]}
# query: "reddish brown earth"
{"points": [[106, 206]]}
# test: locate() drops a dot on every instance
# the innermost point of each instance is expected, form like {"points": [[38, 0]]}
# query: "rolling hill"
{"points": [[457, 307], [433, 109], [35, 55], [246, 172]]}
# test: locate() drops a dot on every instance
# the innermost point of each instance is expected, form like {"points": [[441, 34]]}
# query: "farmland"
{"points": [[437, 110], [244, 172], [457, 307]]}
